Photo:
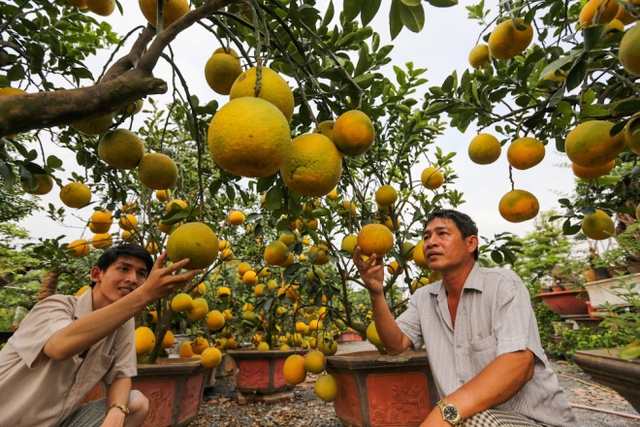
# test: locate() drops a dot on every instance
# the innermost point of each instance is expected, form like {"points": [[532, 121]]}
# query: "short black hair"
{"points": [[463, 222], [114, 253]]}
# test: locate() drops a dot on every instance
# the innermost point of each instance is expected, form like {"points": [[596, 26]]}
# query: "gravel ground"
{"points": [[220, 406]]}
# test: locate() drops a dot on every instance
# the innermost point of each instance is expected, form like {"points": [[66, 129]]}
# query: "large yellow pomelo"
{"points": [[629, 53], [273, 88], [484, 149], [602, 11], [101, 7], [326, 388], [518, 206], [41, 184], [121, 149], [249, 137], [95, 125], [507, 41], [145, 340], [524, 153], [590, 145], [479, 55], [171, 11], [221, 71], [193, 240], [598, 225], [75, 195], [293, 369], [313, 166], [100, 221], [375, 238], [157, 171], [78, 248], [632, 134], [592, 173], [353, 133]]}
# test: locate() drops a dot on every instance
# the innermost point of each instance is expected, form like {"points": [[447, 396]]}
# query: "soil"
{"points": [[221, 408]]}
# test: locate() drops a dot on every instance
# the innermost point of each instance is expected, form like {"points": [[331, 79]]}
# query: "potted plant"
{"points": [[618, 368]]}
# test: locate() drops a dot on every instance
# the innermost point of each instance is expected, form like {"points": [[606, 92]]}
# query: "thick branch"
{"points": [[162, 40], [23, 113], [122, 85]]}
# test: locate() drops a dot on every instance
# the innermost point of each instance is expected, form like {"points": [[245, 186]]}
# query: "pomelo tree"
{"points": [[332, 67]]}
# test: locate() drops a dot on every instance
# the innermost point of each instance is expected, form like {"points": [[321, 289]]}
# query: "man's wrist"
{"points": [[449, 413], [120, 408]]}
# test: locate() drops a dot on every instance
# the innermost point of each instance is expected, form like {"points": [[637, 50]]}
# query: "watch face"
{"points": [[450, 413]]}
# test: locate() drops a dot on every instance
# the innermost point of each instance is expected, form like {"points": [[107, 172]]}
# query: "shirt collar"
{"points": [[474, 281], [84, 304]]}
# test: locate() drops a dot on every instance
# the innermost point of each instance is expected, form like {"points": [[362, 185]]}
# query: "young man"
{"points": [[67, 344], [479, 331]]}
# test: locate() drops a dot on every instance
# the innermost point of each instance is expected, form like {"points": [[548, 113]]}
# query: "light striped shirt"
{"points": [[494, 317], [43, 392]]}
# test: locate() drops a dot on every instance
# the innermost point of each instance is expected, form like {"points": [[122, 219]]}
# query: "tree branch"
{"points": [[129, 79]]}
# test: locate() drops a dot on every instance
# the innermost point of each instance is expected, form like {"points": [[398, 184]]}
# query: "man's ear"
{"points": [[472, 243], [95, 274]]}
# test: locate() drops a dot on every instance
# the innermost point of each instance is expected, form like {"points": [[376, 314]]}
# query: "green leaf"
{"points": [[412, 17], [592, 35], [559, 63], [16, 73], [443, 3], [395, 21], [351, 9], [273, 199], [411, 3], [577, 74], [364, 80], [369, 10], [328, 16], [54, 162]]}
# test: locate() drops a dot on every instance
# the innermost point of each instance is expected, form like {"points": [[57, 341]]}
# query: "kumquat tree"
{"points": [[294, 140]]}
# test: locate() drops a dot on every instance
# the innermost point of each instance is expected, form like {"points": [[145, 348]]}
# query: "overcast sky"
{"points": [[441, 47]]}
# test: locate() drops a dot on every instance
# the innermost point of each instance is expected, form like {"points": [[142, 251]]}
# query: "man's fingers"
{"points": [[187, 277], [160, 260], [178, 265]]}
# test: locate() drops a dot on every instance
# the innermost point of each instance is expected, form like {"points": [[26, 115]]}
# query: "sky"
{"points": [[441, 47]]}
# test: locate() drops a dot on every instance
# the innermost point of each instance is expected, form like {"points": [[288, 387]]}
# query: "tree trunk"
{"points": [[49, 283]]}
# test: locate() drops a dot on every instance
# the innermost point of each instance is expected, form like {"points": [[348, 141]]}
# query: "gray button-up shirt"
{"points": [[494, 317]]}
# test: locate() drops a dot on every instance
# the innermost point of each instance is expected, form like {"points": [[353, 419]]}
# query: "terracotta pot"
{"points": [[174, 388], [566, 302], [377, 390], [349, 337], [605, 367], [258, 374]]}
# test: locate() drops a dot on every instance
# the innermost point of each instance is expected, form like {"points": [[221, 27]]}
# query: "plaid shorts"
{"points": [[497, 418], [91, 414]]}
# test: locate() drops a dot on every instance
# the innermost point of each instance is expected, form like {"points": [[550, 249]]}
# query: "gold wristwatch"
{"points": [[450, 413], [124, 408]]}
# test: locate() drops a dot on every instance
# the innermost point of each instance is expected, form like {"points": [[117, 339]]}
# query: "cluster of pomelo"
{"points": [[590, 146]]}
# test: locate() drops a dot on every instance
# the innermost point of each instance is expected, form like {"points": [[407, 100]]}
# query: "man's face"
{"points": [[119, 280], [444, 248]]}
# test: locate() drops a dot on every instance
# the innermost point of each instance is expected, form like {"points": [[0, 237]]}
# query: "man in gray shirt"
{"points": [[479, 331]]}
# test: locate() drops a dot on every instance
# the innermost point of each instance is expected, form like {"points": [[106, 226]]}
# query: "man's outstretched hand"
{"points": [[371, 271], [162, 281]]}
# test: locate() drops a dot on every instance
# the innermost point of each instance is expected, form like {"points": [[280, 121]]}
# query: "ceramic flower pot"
{"points": [[174, 388], [607, 368], [566, 302], [377, 390], [258, 374]]}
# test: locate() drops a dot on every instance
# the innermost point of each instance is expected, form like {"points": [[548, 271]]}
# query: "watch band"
{"points": [[124, 408], [449, 413]]}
